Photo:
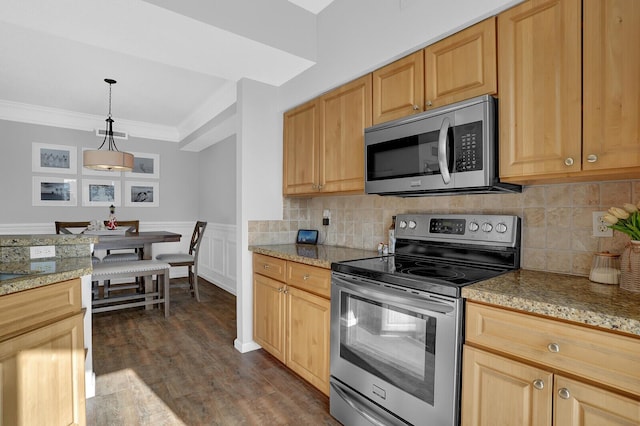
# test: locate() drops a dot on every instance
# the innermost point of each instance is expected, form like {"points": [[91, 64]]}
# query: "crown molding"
{"points": [[44, 116]]}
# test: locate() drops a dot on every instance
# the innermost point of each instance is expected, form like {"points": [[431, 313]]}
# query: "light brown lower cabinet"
{"points": [[291, 316], [513, 372], [42, 356]]}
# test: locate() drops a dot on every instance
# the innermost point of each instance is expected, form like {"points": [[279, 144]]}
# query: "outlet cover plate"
{"points": [[40, 252], [600, 228]]}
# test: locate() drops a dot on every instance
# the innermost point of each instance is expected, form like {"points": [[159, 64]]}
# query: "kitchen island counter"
{"points": [[564, 297]]}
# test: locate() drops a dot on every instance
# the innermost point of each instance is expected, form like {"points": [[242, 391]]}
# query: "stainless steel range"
{"points": [[397, 321]]}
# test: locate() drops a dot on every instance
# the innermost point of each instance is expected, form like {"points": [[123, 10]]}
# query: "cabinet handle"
{"points": [[314, 186], [281, 289], [416, 107], [553, 347], [429, 103], [538, 384], [286, 291], [564, 393], [319, 187], [568, 161], [265, 266], [306, 277], [592, 158]]}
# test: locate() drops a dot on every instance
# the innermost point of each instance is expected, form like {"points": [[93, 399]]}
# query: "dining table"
{"points": [[135, 240]]}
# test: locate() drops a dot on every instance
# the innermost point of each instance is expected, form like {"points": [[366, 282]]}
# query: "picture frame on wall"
{"points": [[91, 172], [54, 191], [101, 192], [141, 194], [145, 166], [48, 158]]}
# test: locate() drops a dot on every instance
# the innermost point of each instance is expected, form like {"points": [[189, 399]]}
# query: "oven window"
{"points": [[394, 344]]}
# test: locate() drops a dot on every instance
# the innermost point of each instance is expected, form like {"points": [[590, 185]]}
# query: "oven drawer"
{"points": [[268, 266], [605, 357], [310, 278]]}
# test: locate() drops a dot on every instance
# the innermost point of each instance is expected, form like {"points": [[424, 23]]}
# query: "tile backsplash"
{"points": [[557, 220]]}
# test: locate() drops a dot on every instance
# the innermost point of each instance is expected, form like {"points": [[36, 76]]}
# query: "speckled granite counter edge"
{"points": [[292, 257], [561, 309], [36, 280]]}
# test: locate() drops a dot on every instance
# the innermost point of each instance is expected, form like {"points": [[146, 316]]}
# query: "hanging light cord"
{"points": [[109, 120]]}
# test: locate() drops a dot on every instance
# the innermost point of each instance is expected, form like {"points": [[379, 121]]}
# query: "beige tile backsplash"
{"points": [[556, 220]]}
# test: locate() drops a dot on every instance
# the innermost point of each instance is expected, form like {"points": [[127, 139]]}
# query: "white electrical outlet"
{"points": [[39, 252], [600, 228]]}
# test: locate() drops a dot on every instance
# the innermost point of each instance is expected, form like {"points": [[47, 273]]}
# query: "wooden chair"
{"points": [[189, 260], [125, 256]]}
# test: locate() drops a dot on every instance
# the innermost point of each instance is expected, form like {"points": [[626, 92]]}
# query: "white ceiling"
{"points": [[176, 63]]}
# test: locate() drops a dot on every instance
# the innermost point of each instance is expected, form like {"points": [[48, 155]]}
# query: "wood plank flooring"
{"points": [[184, 370]]}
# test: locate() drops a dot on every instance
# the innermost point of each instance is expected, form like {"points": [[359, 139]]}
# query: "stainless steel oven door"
{"points": [[398, 349]]}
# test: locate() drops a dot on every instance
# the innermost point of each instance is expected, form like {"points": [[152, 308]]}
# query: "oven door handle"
{"points": [[420, 304], [442, 151], [358, 407]]}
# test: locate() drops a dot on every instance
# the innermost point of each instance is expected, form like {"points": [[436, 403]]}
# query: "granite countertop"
{"points": [[319, 255], [19, 272], [41, 272], [565, 297]]}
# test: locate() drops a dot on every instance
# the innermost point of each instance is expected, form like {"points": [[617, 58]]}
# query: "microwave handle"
{"points": [[442, 150]]}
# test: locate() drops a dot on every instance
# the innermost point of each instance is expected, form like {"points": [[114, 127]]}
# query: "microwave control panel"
{"points": [[468, 147]]}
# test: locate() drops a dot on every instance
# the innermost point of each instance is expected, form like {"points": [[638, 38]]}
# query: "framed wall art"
{"points": [[54, 191], [145, 166], [46, 158], [141, 194], [91, 172], [101, 192]]}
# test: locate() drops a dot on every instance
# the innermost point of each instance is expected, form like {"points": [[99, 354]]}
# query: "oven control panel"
{"points": [[476, 229]]}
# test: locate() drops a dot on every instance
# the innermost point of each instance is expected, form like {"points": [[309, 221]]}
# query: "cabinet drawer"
{"points": [[608, 358], [27, 309], [310, 278], [269, 266]]}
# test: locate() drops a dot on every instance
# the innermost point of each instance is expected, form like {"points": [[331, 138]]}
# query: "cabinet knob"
{"points": [[416, 107], [306, 277], [564, 393], [553, 347], [319, 187], [286, 291], [538, 384], [592, 158], [429, 103], [568, 161], [281, 289]]}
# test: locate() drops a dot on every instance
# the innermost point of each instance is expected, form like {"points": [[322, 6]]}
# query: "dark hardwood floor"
{"points": [[185, 370]]}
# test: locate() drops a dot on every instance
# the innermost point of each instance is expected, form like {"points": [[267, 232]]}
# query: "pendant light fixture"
{"points": [[110, 159]]}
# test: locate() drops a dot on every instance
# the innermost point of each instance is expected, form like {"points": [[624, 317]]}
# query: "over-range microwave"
{"points": [[449, 150]]}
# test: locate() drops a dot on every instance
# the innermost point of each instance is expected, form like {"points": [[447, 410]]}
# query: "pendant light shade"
{"points": [[110, 159]]}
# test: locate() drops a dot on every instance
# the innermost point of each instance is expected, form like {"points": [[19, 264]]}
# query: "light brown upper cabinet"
{"points": [[398, 88], [461, 66], [456, 68], [611, 85], [324, 142], [545, 62]]}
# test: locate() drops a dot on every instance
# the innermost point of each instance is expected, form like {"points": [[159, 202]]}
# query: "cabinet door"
{"points": [[308, 337], [301, 150], [344, 114], [611, 84], [539, 75], [398, 88], [42, 376], [268, 315], [461, 66], [500, 391], [579, 404]]}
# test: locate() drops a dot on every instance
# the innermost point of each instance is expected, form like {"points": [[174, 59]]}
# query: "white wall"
{"points": [[358, 36]]}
